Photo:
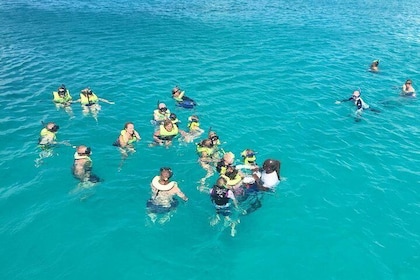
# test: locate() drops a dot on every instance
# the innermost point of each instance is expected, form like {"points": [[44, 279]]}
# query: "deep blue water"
{"points": [[266, 76]]}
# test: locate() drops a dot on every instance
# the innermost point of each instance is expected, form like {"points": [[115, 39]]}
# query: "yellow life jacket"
{"points": [[179, 98], [88, 99], [209, 151], [61, 99], [232, 182], [161, 117], [44, 134], [167, 135], [193, 125], [130, 141]]}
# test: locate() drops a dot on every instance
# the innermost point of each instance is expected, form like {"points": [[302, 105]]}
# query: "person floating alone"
{"points": [[374, 66], [82, 165], [361, 105], [407, 89], [182, 100]]}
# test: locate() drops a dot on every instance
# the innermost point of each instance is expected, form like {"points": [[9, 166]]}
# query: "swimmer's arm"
{"points": [[233, 198], [183, 133], [345, 100], [137, 135], [259, 182], [106, 101], [156, 137], [180, 194]]}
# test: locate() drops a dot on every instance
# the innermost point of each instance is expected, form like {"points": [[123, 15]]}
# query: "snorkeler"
{"points": [[46, 141], [47, 136], [174, 119], [206, 159], [161, 114], [194, 130], [358, 101], [63, 99], [407, 89], [126, 139], [227, 160], [233, 178], [90, 102], [374, 66], [194, 125], [163, 199], [249, 157], [221, 197], [166, 133], [82, 165], [182, 100]]}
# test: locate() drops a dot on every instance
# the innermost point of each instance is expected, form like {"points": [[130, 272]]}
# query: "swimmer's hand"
{"points": [[337, 102]]}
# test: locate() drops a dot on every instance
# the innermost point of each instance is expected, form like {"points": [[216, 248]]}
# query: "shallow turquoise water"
{"points": [[266, 76]]}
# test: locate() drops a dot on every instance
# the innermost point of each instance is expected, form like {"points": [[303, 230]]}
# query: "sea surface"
{"points": [[266, 75]]}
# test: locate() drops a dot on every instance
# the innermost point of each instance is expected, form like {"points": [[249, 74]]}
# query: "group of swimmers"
{"points": [[406, 90], [241, 185]]}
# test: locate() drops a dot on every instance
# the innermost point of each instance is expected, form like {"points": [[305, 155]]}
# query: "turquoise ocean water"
{"points": [[265, 75]]}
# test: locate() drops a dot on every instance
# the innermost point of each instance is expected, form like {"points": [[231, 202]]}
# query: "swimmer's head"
{"points": [[271, 165], [162, 107], [173, 117], [176, 90], [408, 82], [52, 127], [83, 151], [206, 143], [168, 125], [213, 136], [166, 173], [193, 118], [62, 90], [87, 91], [229, 157], [356, 94], [249, 156]]}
